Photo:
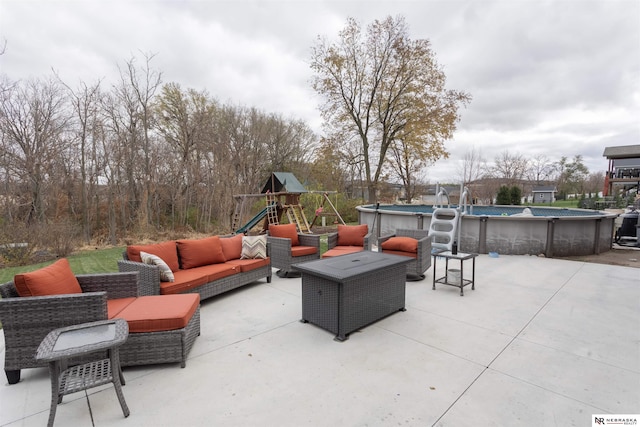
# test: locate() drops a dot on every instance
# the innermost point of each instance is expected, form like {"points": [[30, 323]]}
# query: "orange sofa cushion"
{"points": [[342, 250], [403, 244], [231, 247], [303, 250], [155, 313], [401, 253], [165, 250], [250, 264], [352, 235], [54, 279], [197, 252], [288, 231], [115, 306], [184, 281]]}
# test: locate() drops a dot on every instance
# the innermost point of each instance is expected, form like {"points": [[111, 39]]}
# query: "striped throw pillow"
{"points": [[254, 247], [166, 275]]}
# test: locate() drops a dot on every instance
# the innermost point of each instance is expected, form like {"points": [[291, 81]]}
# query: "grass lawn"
{"points": [[573, 203], [86, 262]]}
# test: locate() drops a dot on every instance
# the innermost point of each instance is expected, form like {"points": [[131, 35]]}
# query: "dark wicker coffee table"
{"points": [[345, 293], [63, 345]]}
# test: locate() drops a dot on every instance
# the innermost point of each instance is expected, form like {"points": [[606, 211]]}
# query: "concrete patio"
{"points": [[539, 342]]}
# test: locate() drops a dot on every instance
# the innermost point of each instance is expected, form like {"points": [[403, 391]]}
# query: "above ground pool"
{"points": [[510, 230]]}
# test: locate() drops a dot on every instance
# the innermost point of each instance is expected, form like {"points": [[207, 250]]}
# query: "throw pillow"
{"points": [[400, 243], [166, 275], [352, 235], [288, 231], [254, 247], [198, 252], [232, 247], [165, 250], [54, 279]]}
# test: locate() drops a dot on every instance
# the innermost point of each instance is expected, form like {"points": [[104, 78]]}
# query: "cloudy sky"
{"points": [[557, 78]]}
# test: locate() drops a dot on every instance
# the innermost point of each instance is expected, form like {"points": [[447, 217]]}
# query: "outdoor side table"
{"points": [[462, 257], [76, 341]]}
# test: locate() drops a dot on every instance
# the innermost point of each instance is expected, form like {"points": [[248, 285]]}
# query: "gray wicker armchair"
{"points": [[282, 257], [333, 249], [27, 320], [416, 269]]}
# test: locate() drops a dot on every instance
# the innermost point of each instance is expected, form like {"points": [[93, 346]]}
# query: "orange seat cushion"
{"points": [[341, 250], [231, 247], [250, 264], [303, 250], [197, 252], [403, 244], [184, 281], [115, 306], [54, 279], [401, 253], [352, 235], [165, 250], [156, 313], [287, 231]]}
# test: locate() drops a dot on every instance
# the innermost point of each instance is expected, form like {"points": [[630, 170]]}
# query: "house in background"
{"points": [[623, 173], [544, 194]]}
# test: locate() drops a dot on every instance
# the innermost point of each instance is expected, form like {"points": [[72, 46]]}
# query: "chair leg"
{"points": [[13, 376]]}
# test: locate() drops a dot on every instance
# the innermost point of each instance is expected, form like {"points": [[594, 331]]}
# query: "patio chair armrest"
{"points": [[279, 244], [366, 244], [116, 285], [148, 276], [27, 320], [423, 257], [332, 240], [424, 246], [309, 240]]}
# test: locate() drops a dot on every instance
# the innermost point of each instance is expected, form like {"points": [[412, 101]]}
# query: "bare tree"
{"points": [[594, 183], [143, 83], [473, 166], [385, 89], [33, 119], [86, 104], [540, 169], [510, 168]]}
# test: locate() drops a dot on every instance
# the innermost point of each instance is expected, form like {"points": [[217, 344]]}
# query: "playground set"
{"points": [[281, 193]]}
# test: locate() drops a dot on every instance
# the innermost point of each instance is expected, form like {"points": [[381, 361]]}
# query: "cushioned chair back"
{"points": [[443, 227]]}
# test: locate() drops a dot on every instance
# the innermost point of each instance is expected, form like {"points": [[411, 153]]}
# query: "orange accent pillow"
{"points": [[165, 250], [55, 279], [288, 231], [197, 252], [352, 235], [231, 247], [403, 244]]}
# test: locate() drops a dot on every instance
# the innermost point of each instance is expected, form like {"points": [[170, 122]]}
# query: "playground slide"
{"points": [[253, 221]]}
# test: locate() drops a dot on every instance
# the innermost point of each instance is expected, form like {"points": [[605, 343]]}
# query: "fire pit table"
{"points": [[345, 293]]}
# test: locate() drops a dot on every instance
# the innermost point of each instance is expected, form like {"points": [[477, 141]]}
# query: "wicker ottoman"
{"points": [[162, 329]]}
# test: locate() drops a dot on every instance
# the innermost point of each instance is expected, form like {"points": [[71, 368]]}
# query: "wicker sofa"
{"points": [[201, 266], [26, 320]]}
